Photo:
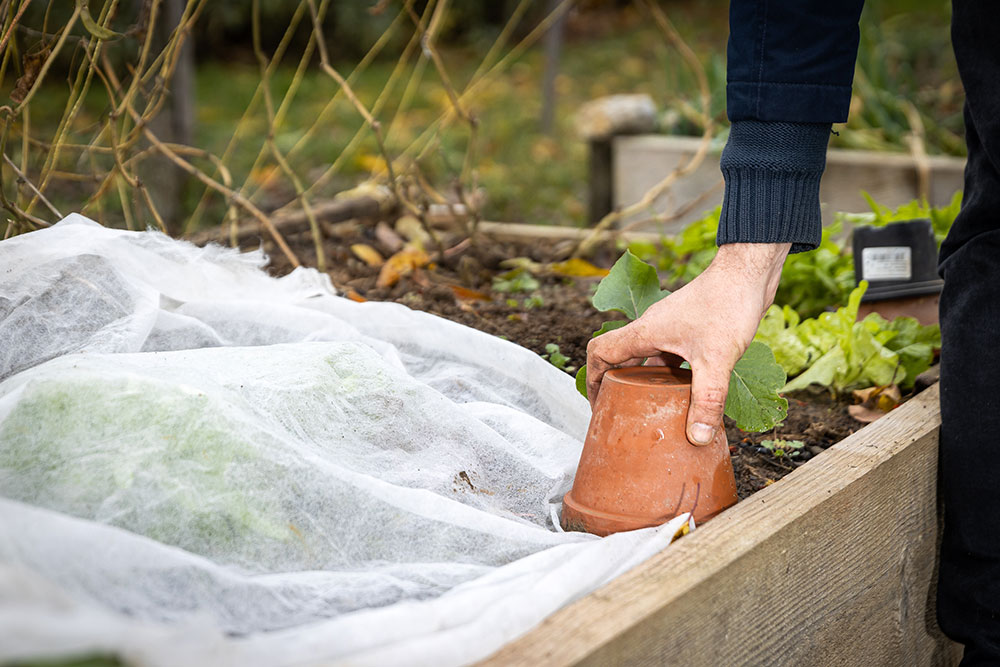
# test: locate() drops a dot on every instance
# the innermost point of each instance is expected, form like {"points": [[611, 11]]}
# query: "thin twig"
{"points": [[211, 182], [586, 245], [676, 213], [13, 24], [279, 158], [31, 186]]}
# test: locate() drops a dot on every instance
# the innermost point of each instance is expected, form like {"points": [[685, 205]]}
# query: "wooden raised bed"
{"points": [[834, 564], [639, 162]]}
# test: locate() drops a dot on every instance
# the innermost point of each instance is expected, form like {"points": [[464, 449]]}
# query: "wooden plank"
{"points": [[832, 565], [334, 210], [517, 231]]}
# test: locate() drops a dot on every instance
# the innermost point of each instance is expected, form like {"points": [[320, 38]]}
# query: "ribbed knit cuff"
{"points": [[772, 171]]}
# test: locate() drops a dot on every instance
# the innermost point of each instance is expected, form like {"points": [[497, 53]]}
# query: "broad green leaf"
{"points": [[609, 326], [753, 401], [581, 380], [826, 368], [870, 364], [907, 330], [772, 324], [644, 250], [915, 359], [789, 351], [854, 301], [631, 287], [95, 29], [556, 357], [910, 331]]}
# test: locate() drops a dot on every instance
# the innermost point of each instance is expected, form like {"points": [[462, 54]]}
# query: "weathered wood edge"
{"points": [[591, 624], [844, 156], [518, 231]]}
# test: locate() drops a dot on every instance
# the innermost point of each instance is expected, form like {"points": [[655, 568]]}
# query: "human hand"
{"points": [[709, 323]]}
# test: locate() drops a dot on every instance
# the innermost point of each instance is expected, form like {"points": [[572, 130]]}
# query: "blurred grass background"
{"points": [[609, 47]]}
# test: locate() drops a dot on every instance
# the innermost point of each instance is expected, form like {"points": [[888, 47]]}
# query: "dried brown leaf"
{"points": [[367, 254], [578, 268], [466, 294], [401, 264], [32, 65], [388, 238]]}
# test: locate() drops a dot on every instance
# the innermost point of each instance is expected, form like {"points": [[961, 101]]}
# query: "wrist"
{"points": [[755, 265]]}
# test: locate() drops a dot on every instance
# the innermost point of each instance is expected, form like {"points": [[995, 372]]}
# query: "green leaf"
{"points": [[753, 401], [631, 287], [779, 447], [915, 359], [581, 380], [777, 331], [609, 326], [516, 280], [823, 372], [556, 358], [95, 29]]}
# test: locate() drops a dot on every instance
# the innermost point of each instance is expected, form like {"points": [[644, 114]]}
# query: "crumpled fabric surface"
{"points": [[202, 464]]}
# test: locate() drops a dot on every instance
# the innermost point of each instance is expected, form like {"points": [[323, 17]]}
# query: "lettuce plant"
{"points": [[834, 350], [810, 281]]}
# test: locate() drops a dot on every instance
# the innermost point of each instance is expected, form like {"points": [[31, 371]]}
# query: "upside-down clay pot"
{"points": [[638, 468]]}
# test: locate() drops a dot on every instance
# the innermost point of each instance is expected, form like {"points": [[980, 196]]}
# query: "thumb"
{"points": [[709, 387]]}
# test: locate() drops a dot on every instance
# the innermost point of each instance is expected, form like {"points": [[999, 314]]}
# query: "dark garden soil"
{"points": [[460, 288]]}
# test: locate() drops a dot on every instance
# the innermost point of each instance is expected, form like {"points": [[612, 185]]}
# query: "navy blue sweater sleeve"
{"points": [[791, 65]]}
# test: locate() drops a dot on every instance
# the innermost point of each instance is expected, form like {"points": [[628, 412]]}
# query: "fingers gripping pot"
{"points": [[638, 468]]}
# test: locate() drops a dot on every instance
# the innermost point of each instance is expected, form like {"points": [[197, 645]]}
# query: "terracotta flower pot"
{"points": [[638, 468]]}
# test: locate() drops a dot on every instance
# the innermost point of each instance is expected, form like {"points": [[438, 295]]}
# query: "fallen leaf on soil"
{"points": [[578, 268], [863, 414], [370, 163], [522, 264], [353, 295], [883, 398], [875, 402], [466, 294], [420, 278], [389, 239], [367, 254], [412, 229], [400, 264]]}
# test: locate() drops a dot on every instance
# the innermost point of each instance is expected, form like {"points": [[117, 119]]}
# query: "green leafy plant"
{"points": [[810, 281], [686, 255], [834, 350], [557, 358], [813, 281], [518, 280], [779, 447], [753, 403], [941, 217], [534, 301]]}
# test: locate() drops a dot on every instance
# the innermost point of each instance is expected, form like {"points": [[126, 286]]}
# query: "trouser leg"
{"points": [[969, 581]]}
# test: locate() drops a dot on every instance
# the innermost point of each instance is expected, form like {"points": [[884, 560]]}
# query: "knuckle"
{"points": [[712, 400]]}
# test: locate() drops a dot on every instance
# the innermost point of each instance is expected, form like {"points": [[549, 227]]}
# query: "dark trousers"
{"points": [[969, 580]]}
